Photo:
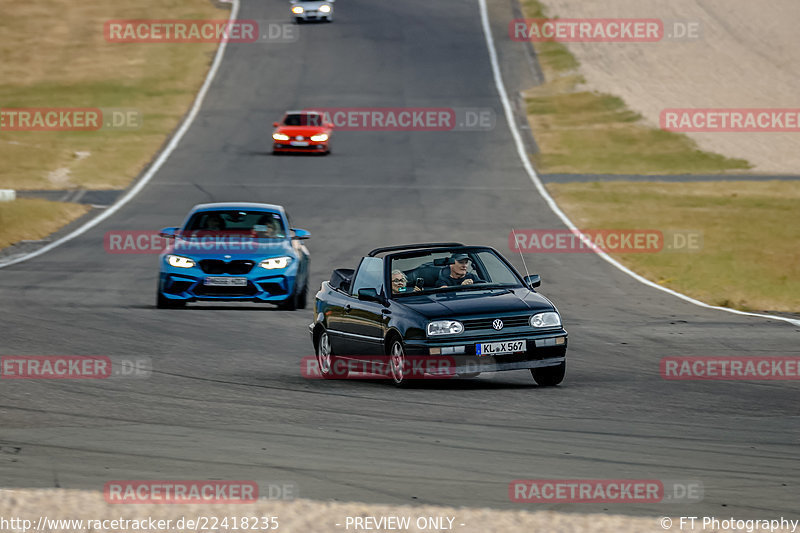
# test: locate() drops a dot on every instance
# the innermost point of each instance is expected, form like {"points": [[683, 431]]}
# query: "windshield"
{"points": [[449, 270], [303, 119], [263, 224]]}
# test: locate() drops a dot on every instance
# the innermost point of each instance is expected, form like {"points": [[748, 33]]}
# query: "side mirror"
{"points": [[369, 295], [329, 125], [301, 234], [533, 280], [168, 233], [275, 124]]}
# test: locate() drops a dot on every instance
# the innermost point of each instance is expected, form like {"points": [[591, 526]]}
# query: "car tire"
{"points": [[397, 363], [549, 376], [162, 302], [302, 298], [289, 304], [327, 360]]}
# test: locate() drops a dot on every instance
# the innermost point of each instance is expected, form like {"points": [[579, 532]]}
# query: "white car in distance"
{"points": [[307, 10]]}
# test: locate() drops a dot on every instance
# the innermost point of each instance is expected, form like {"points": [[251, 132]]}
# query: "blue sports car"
{"points": [[234, 252]]}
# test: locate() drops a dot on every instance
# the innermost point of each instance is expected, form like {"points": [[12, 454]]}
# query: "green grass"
{"points": [[16, 217], [580, 131], [68, 63], [749, 258], [53, 54]]}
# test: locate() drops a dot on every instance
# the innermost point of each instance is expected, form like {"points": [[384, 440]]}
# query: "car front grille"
{"points": [[218, 266], [290, 147], [210, 290], [486, 323]]}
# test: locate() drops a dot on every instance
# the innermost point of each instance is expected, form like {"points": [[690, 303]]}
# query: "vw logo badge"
{"points": [[299, 137], [497, 324]]}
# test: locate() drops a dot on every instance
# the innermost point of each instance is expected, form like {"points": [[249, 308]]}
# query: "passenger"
{"points": [[214, 222], [399, 282], [457, 273]]}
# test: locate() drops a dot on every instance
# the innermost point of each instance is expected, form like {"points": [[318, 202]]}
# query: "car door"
{"points": [[361, 322]]}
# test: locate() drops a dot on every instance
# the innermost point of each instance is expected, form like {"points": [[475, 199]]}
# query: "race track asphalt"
{"points": [[226, 399]]}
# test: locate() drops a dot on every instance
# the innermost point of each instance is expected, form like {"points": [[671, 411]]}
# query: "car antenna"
{"points": [[516, 243]]}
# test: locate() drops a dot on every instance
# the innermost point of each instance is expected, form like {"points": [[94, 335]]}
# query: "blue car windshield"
{"points": [[448, 269], [263, 224]]}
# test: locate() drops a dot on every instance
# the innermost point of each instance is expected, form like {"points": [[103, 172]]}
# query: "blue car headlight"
{"points": [[274, 263], [444, 327], [550, 319], [178, 261]]}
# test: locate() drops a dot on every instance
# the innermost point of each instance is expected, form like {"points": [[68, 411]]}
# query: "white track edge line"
{"points": [[154, 168], [512, 125]]}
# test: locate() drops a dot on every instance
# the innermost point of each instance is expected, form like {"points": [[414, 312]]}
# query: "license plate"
{"points": [[495, 348], [226, 282], [298, 143]]}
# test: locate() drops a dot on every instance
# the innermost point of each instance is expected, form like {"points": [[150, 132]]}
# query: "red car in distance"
{"points": [[302, 131]]}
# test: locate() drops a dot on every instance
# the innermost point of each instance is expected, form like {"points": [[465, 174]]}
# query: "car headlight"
{"points": [[546, 320], [280, 137], [319, 138], [325, 9], [275, 262], [179, 261], [444, 327], [297, 10]]}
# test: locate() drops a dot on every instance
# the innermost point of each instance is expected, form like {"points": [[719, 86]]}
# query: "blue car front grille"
{"points": [[218, 266], [207, 290]]}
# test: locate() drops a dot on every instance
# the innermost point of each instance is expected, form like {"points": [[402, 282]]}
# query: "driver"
{"points": [[457, 273]]}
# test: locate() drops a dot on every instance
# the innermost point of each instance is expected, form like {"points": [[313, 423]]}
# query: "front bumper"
{"points": [[313, 15], [285, 147], [190, 288], [542, 350]]}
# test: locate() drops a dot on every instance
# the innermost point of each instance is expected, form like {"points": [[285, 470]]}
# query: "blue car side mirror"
{"points": [[168, 233], [301, 234]]}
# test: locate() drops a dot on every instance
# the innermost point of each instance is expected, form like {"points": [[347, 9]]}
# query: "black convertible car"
{"points": [[448, 302]]}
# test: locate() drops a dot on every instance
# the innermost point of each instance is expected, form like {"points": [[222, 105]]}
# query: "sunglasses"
{"points": [[398, 280]]}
